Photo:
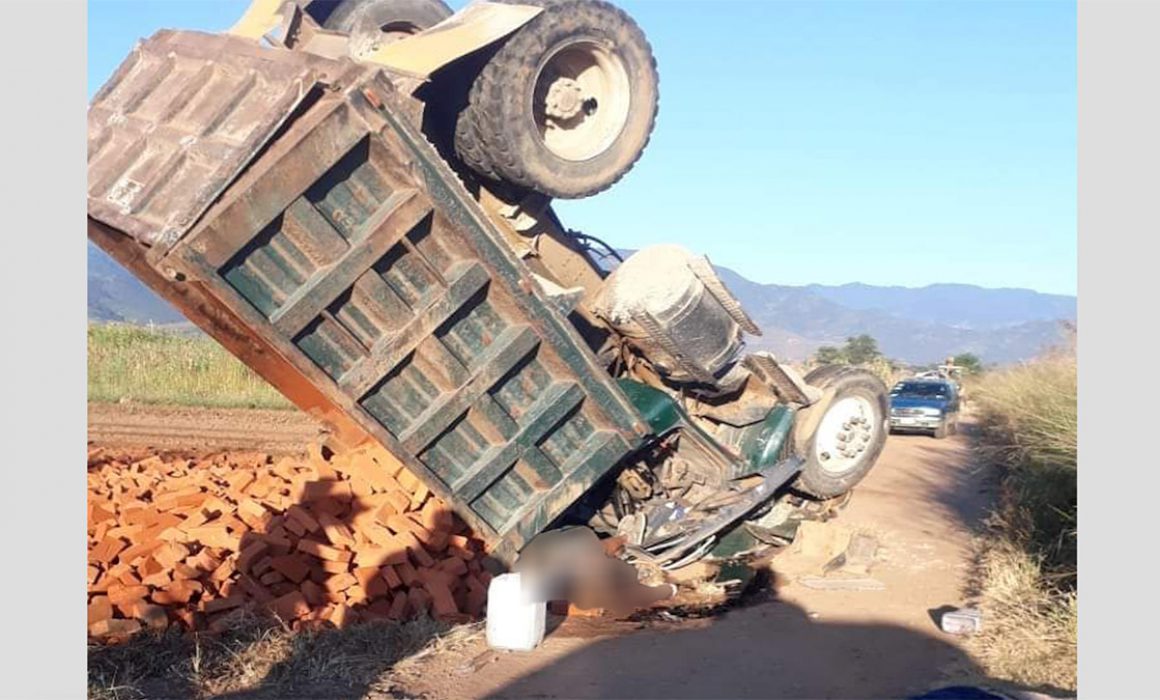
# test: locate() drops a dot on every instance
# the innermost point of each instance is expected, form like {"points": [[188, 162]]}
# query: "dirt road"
{"points": [[922, 503], [178, 427]]}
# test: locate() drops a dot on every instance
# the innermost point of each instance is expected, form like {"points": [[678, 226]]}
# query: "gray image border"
{"points": [[44, 415]]}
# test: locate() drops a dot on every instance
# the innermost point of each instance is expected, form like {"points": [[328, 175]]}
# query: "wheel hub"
{"points": [[564, 100], [585, 100], [845, 434]]}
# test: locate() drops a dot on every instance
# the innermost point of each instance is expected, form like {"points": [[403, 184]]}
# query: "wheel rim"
{"points": [[581, 100], [845, 435]]}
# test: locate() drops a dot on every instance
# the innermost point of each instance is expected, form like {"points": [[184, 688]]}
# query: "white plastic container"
{"points": [[962, 621], [513, 622]]}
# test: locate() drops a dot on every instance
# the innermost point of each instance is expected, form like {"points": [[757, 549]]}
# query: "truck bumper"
{"points": [[915, 422]]}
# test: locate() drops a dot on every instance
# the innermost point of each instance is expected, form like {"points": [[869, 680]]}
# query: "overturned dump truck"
{"points": [[354, 198]]}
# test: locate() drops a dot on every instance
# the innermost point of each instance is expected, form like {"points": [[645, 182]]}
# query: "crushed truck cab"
{"points": [[309, 209]]}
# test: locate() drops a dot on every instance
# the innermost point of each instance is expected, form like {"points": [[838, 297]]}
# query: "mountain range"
{"points": [[916, 325]]}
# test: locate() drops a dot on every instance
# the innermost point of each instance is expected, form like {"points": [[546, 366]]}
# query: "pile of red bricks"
{"points": [[316, 541]]}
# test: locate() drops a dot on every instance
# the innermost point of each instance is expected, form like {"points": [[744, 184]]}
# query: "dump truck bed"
{"points": [[287, 205]]}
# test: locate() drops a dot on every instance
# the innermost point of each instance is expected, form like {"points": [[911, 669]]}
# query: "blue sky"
{"points": [[892, 143]]}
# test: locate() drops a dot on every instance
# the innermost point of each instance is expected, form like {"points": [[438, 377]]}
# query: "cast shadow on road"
{"points": [[767, 650]]}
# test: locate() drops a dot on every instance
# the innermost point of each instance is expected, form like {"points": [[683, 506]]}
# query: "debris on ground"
{"points": [[858, 556], [961, 621], [862, 583], [318, 540]]}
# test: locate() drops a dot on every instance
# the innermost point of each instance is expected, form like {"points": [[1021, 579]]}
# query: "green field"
{"points": [[147, 365]]}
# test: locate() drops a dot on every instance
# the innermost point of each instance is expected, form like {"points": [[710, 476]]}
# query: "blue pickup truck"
{"points": [[925, 404]]}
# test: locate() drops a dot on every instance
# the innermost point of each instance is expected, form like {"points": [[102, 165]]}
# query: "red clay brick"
{"points": [[399, 606], [107, 550], [219, 604], [341, 616], [215, 535], [115, 628], [334, 567], [356, 595], [380, 556], [262, 565], [317, 549], [119, 595], [476, 596], [295, 527], [153, 616], [291, 606], [360, 488], [364, 574], [399, 500], [270, 578], [409, 481], [314, 594], [337, 532], [128, 577], [340, 582], [407, 573], [420, 495], [300, 514], [100, 609], [391, 577], [416, 550], [441, 598], [255, 589], [376, 587], [380, 535], [157, 580], [293, 566], [420, 600], [240, 480], [464, 554], [250, 553], [454, 566]]}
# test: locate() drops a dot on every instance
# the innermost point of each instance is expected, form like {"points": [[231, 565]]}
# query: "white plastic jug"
{"points": [[513, 622]]}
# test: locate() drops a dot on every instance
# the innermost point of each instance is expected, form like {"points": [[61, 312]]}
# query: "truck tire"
{"points": [[847, 439], [391, 19], [941, 431], [566, 106]]}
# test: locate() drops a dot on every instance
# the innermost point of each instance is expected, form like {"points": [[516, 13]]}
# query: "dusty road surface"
{"points": [[922, 503], [187, 428]]}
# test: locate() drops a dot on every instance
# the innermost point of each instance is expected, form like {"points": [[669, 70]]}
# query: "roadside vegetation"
{"points": [[862, 351], [256, 655], [135, 364], [1028, 578]]}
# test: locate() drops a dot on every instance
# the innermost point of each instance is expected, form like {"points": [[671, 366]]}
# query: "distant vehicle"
{"points": [[925, 404]]}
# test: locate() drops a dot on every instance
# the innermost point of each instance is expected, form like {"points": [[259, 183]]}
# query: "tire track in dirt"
{"points": [[188, 428]]}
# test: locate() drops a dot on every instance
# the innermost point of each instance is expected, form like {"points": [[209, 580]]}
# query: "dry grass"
{"points": [[1029, 576], [257, 658], [144, 365]]}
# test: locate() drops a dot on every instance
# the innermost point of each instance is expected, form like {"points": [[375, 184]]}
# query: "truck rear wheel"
{"points": [[848, 437], [385, 21], [566, 106]]}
